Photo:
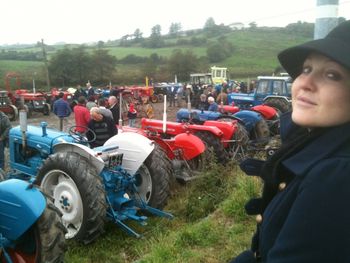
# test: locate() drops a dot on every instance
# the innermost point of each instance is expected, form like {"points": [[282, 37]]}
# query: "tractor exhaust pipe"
{"points": [[23, 126]]}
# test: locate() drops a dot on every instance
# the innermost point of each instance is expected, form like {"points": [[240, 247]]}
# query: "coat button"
{"points": [[259, 219], [281, 186]]}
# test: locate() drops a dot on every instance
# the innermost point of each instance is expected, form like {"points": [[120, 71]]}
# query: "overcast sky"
{"points": [[82, 21]]}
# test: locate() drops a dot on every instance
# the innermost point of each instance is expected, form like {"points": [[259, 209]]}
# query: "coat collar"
{"points": [[318, 149]]}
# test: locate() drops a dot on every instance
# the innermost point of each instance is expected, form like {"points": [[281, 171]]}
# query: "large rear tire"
{"points": [[278, 103], [43, 242], [214, 144], [13, 114], [237, 150], [154, 177], [78, 193], [261, 130]]}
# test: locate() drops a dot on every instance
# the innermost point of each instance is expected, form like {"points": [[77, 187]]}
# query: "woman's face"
{"points": [[321, 93]]}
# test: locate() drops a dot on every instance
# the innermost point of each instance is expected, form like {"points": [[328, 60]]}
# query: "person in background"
{"points": [[222, 97], [203, 102], [90, 90], [61, 109], [91, 103], [5, 126], [81, 115], [101, 104], [103, 127], [114, 108], [303, 213], [171, 93], [132, 114], [213, 106], [79, 92]]}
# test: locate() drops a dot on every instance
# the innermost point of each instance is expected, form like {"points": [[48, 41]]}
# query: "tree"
{"points": [[174, 29], [61, 68], [253, 25], [138, 34], [104, 65], [182, 64], [155, 39], [209, 24], [220, 50]]}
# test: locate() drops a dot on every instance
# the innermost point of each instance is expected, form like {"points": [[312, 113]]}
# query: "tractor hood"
{"points": [[184, 114], [41, 137]]}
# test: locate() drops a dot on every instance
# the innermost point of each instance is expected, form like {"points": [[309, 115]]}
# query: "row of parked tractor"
{"points": [[41, 101], [58, 187]]}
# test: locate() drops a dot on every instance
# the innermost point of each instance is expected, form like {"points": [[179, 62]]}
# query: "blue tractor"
{"points": [[116, 181], [252, 121], [274, 91], [30, 225]]}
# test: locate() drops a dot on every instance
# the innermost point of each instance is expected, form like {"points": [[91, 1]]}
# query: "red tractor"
{"points": [[33, 101], [227, 140], [185, 150], [7, 107], [51, 97]]}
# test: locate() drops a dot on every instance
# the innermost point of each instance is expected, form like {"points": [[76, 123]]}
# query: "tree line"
{"points": [[75, 65]]}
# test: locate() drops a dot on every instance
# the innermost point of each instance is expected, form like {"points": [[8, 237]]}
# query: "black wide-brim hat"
{"points": [[336, 46]]}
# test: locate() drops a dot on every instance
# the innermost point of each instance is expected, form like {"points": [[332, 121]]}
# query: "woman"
{"points": [[304, 215]]}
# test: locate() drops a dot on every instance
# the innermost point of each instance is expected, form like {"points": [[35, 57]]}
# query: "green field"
{"points": [[255, 53]]}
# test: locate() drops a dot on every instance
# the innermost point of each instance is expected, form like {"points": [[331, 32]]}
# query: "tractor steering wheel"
{"points": [[81, 137]]}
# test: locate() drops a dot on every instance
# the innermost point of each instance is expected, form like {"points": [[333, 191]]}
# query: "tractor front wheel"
{"points": [[153, 178], [78, 193], [43, 242]]}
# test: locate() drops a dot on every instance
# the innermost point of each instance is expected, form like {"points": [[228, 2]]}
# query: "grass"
{"points": [[210, 225]]}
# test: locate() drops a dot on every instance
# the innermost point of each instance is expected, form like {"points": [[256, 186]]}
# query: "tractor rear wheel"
{"points": [[78, 193], [280, 104], [43, 242], [214, 144], [154, 177], [238, 149], [261, 130], [46, 109], [13, 113], [160, 97]]}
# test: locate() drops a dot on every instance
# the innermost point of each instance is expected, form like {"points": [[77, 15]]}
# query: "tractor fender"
{"points": [[249, 118], [212, 129], [266, 111], [83, 151], [190, 144], [134, 147], [21, 205]]}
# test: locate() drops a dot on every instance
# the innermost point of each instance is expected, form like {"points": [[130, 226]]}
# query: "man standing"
{"points": [[62, 109], [81, 115], [5, 126], [114, 108], [172, 91], [103, 127], [90, 90]]}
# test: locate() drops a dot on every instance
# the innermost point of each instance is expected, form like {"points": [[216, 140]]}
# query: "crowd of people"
{"points": [[95, 118], [203, 97]]}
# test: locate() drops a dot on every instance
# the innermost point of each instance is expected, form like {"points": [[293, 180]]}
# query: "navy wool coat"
{"points": [[308, 217]]}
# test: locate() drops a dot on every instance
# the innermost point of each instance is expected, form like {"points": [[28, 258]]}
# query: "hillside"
{"points": [[254, 53]]}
